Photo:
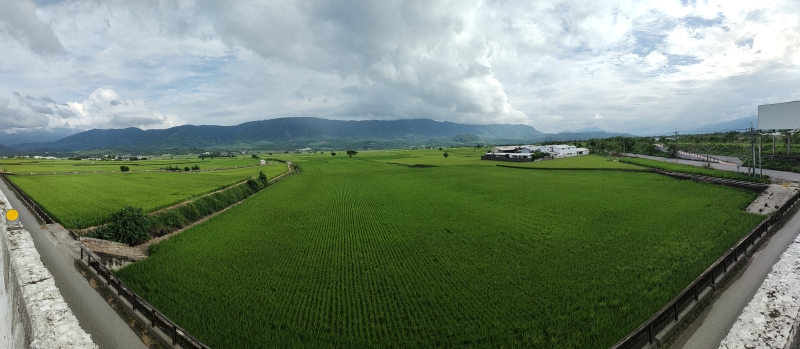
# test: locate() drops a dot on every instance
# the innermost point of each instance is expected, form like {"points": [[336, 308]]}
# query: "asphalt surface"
{"points": [[103, 324], [716, 320], [789, 176]]}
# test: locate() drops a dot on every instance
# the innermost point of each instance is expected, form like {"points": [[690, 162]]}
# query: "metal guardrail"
{"points": [[645, 334], [178, 335], [40, 213]]}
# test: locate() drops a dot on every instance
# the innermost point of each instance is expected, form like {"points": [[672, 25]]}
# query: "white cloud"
{"points": [[105, 109], [555, 65]]}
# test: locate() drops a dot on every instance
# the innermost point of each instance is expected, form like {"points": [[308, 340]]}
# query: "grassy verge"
{"points": [[669, 166]]}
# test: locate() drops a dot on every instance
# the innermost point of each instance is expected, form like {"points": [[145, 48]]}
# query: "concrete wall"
{"points": [[771, 319], [32, 312]]}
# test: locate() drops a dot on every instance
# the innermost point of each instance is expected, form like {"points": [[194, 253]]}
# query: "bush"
{"points": [[183, 215], [124, 168], [129, 225]]}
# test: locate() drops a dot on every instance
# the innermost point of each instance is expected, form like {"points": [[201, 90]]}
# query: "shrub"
{"points": [[124, 168], [129, 225]]}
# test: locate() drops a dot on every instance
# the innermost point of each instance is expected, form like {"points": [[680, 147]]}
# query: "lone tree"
{"points": [[350, 153], [445, 155], [333, 154], [254, 156], [124, 168]]}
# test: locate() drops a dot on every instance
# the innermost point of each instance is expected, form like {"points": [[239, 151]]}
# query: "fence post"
{"points": [[650, 332], [174, 334], [713, 280], [81, 253], [695, 292], [675, 308], [152, 317], [725, 263]]}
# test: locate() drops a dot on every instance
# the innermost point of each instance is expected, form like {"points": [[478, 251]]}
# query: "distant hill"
{"points": [[569, 136], [6, 151], [730, 125], [296, 133], [282, 133], [34, 135]]}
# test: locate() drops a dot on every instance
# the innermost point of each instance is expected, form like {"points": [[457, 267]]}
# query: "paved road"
{"points": [[789, 176], [95, 316], [714, 323]]}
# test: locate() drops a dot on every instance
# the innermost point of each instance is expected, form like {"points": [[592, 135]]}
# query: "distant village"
{"points": [[525, 153]]}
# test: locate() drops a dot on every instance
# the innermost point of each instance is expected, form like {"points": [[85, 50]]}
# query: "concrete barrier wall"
{"points": [[772, 318], [32, 312]]}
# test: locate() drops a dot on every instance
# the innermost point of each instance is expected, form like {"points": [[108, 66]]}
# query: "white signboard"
{"points": [[779, 116]]}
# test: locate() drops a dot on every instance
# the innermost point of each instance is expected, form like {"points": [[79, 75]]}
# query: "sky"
{"points": [[643, 67]]}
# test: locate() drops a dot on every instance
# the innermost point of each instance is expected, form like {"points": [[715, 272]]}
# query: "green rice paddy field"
{"points": [[84, 200], [31, 166], [370, 253]]}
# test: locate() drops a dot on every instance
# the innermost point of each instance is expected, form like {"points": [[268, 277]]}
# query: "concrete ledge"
{"points": [[772, 318], [39, 317]]}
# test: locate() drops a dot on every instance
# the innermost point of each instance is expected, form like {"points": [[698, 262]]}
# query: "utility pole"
{"points": [[760, 169], [753, 146], [676, 146]]}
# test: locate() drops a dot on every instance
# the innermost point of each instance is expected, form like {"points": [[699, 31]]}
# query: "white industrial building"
{"points": [[524, 152]]}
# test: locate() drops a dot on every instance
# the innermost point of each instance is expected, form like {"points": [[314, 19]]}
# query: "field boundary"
{"points": [[158, 324], [750, 186], [120, 172], [656, 330], [41, 214], [577, 169]]}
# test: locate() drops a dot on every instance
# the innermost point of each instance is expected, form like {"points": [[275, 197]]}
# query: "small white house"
{"points": [[262, 162], [582, 151]]}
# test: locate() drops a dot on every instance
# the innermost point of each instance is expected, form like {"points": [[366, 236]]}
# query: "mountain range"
{"points": [[294, 133], [730, 125]]}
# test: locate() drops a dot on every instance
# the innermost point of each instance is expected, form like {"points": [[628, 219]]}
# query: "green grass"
{"points": [[669, 166], [26, 166], [466, 156], [83, 200], [359, 253]]}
